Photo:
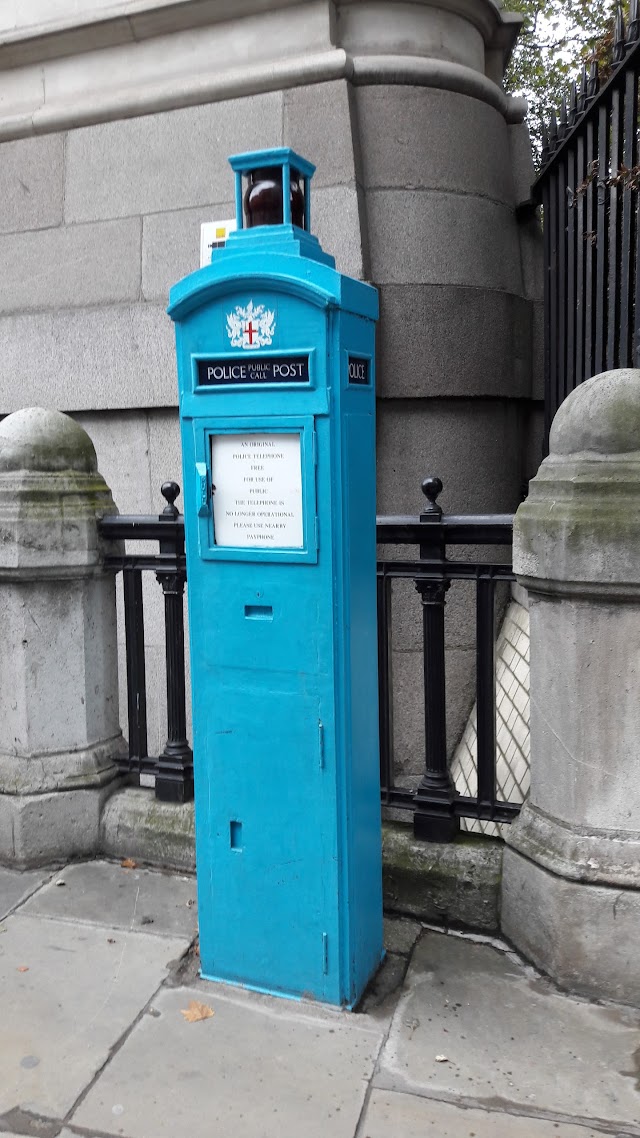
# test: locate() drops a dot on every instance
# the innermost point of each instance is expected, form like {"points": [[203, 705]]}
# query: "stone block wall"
{"points": [[421, 163]]}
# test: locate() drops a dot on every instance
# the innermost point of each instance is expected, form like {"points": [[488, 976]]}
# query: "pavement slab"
{"points": [[104, 893], [478, 1026], [400, 934], [259, 1068], [393, 1115], [68, 994], [16, 884]]}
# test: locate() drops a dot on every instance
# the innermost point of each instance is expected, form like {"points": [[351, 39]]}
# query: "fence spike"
{"points": [[562, 121], [553, 132], [545, 141], [633, 31], [582, 93], [619, 41], [594, 80], [573, 103]]}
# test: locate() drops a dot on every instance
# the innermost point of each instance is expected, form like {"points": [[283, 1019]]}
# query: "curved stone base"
{"points": [[84, 768], [584, 936], [135, 824], [597, 857], [42, 829]]}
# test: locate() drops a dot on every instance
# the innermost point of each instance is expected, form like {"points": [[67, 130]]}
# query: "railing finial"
{"points": [[545, 141], [431, 488], [584, 89], [553, 132], [633, 31], [619, 37], [573, 103], [170, 491], [562, 122], [594, 80]]}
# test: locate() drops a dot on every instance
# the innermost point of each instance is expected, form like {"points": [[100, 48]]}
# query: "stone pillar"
{"points": [[571, 885], [59, 729]]}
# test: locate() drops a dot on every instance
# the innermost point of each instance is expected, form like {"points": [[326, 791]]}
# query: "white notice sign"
{"points": [[257, 499]]}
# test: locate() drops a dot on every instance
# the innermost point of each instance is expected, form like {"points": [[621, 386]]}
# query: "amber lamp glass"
{"points": [[263, 198]]}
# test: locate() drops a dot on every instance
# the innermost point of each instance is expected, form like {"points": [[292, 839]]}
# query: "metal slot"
{"points": [[258, 612]]}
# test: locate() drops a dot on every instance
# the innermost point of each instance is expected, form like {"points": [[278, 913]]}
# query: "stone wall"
{"points": [[110, 165]]}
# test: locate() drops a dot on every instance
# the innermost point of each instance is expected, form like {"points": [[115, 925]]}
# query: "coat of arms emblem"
{"points": [[251, 327]]}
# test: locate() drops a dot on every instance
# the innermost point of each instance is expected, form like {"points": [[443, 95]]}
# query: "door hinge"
{"points": [[325, 953], [317, 532]]}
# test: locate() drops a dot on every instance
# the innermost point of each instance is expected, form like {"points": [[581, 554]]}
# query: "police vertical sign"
{"points": [[359, 370]]}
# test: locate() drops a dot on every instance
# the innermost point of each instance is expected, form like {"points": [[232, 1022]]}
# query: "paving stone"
{"points": [[10, 1134], [382, 992], [400, 935], [508, 1036], [87, 1134], [15, 885], [410, 1116], [105, 894], [20, 1122], [260, 1066], [61, 1018]]}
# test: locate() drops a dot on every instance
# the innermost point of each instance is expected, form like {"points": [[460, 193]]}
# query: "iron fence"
{"points": [[435, 805], [172, 770], [588, 188]]}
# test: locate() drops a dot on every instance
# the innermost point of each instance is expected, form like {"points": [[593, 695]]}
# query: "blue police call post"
{"points": [[276, 370]]}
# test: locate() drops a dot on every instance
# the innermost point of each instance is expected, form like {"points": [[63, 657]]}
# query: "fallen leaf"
{"points": [[111, 940], [59, 883], [442, 1058], [129, 863], [190, 904], [23, 968], [196, 1011]]}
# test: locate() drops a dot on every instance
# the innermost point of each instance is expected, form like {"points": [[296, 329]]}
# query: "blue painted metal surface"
{"points": [[276, 351]]}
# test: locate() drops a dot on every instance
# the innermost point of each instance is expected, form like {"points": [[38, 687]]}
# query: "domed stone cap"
{"points": [[43, 441], [600, 416]]}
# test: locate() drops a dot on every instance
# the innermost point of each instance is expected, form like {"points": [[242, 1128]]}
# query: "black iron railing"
{"points": [[588, 188], [173, 769], [435, 805]]}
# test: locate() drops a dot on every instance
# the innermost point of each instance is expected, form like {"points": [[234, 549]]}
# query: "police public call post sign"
{"points": [[264, 369], [276, 375]]}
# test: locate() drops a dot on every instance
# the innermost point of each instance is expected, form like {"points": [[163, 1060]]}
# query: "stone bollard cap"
{"points": [[51, 495], [43, 441], [578, 532], [601, 417]]}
